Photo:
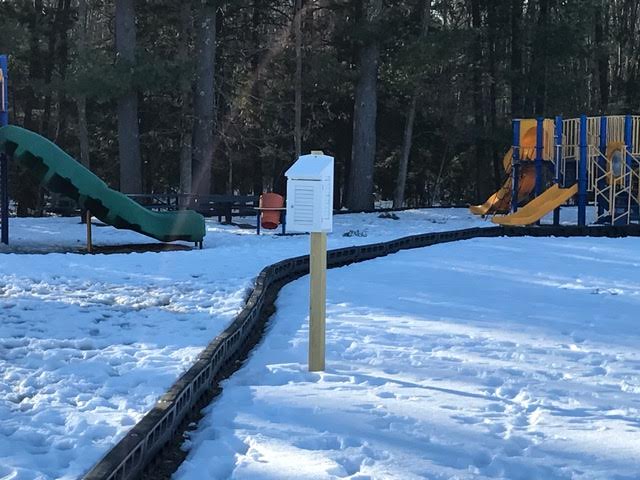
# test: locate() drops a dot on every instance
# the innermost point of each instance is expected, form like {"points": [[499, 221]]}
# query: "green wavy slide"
{"points": [[60, 173]]}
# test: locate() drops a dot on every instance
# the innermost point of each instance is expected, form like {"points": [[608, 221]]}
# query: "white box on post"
{"points": [[310, 209], [310, 194]]}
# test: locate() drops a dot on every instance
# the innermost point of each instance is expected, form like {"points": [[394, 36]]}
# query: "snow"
{"points": [[89, 342], [489, 358]]}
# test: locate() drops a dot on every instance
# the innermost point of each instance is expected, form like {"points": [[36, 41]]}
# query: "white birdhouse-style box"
{"points": [[310, 194]]}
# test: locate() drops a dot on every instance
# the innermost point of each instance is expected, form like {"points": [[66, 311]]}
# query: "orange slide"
{"points": [[500, 202]]}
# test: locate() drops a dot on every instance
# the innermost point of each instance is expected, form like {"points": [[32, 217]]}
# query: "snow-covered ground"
{"points": [[489, 358], [89, 342]]}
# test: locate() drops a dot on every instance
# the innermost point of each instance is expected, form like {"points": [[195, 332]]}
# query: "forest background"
{"points": [[413, 98]]}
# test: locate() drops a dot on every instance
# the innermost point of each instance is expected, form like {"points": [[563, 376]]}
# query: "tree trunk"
{"points": [[541, 56], [230, 155], [81, 99], [626, 14], [360, 187], [256, 93], [478, 112], [444, 8], [537, 77], [401, 181], [298, 80], [186, 118], [492, 22], [403, 167], [516, 59], [64, 104], [52, 35], [27, 194], [35, 64], [602, 53], [128, 128], [203, 135]]}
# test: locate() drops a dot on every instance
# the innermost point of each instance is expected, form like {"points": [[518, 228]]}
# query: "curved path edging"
{"points": [[128, 459]]}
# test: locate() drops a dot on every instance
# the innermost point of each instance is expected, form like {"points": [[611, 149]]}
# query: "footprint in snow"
{"points": [[482, 459], [512, 449], [324, 442], [492, 381], [466, 419], [386, 395], [508, 392], [597, 371], [495, 407]]}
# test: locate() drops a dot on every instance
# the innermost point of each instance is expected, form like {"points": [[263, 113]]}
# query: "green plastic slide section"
{"points": [[62, 174]]}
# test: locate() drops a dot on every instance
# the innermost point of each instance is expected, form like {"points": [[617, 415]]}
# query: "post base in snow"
{"points": [[318, 301]]}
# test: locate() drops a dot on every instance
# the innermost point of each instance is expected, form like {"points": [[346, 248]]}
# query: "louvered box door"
{"points": [[304, 202]]}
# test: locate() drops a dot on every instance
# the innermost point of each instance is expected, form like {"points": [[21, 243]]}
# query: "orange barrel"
{"points": [[270, 219]]}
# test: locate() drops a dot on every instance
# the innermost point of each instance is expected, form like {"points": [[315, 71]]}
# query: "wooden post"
{"points": [[89, 239], [318, 301]]}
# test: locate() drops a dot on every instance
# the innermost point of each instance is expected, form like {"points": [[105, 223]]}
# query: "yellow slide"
{"points": [[538, 207]]}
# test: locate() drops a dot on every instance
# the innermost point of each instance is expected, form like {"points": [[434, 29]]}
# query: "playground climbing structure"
{"points": [[613, 173], [590, 158]]}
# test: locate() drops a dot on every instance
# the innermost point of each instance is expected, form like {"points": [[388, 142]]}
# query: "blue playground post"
{"points": [[558, 152], [539, 154], [515, 166], [4, 161], [628, 141], [4, 94], [602, 161], [558, 180], [582, 172]]}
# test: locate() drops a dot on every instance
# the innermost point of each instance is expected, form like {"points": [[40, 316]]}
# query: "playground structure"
{"points": [[62, 174], [594, 158]]}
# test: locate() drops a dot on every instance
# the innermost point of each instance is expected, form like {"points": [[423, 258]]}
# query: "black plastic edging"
{"points": [[130, 456]]}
